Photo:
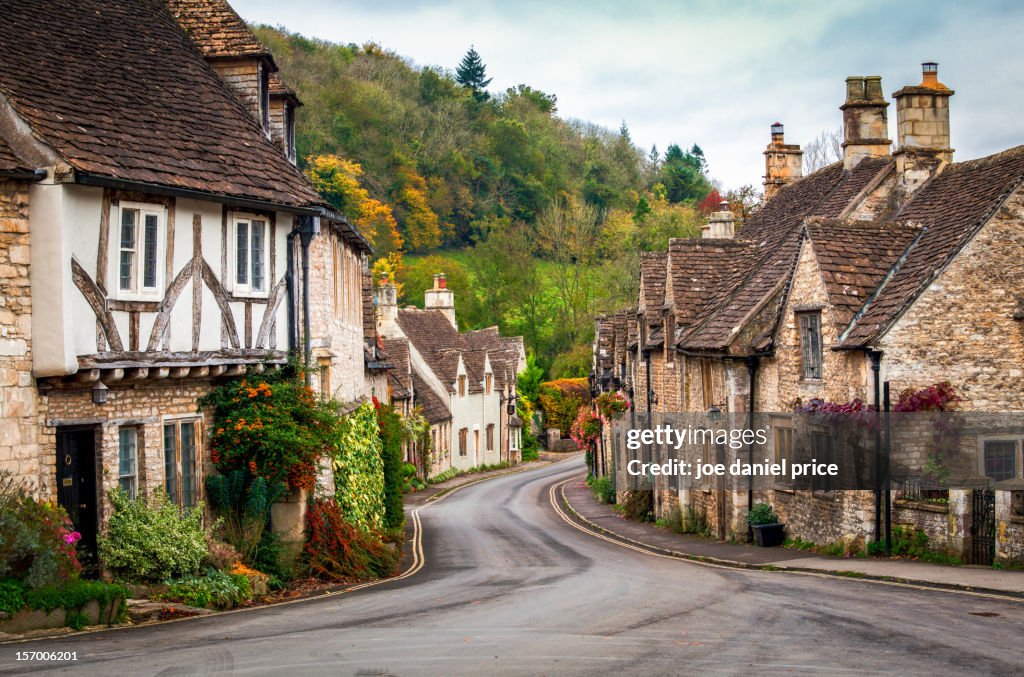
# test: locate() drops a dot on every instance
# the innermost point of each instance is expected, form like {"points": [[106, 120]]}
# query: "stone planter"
{"points": [[34, 619], [769, 535]]}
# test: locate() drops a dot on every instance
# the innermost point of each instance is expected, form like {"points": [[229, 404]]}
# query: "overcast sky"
{"points": [[716, 74]]}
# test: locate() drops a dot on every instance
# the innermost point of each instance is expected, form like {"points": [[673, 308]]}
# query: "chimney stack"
{"points": [[922, 129], [865, 120], [441, 298], [721, 225], [387, 307], [783, 163]]}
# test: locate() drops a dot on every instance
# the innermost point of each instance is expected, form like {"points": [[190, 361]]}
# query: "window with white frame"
{"points": [[181, 466], [127, 460], [138, 248], [250, 248]]}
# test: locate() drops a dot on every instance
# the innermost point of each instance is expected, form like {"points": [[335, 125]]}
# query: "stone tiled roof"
{"points": [[436, 340], [951, 207], [652, 284], [397, 350], [279, 89], [854, 258], [10, 163], [701, 273], [217, 29], [434, 409], [866, 171], [119, 90], [774, 234]]}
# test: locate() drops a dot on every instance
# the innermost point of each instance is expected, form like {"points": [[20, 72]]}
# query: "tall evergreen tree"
{"points": [[472, 73]]}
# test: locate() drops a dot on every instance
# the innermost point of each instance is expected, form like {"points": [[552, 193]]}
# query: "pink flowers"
{"points": [[72, 537]]}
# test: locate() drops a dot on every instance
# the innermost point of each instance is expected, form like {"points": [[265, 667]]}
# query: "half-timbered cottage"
{"points": [[157, 237]]}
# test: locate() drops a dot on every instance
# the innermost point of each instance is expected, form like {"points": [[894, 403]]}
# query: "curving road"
{"points": [[508, 588]]}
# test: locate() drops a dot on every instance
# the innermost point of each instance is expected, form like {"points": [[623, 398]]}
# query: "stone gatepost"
{"points": [[288, 520], [959, 517]]}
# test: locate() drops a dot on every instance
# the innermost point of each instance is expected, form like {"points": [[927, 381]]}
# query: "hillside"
{"points": [[535, 219]]}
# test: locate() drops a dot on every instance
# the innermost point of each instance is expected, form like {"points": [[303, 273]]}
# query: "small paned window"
{"points": [[810, 344], [181, 471], [127, 460], [1001, 459]]}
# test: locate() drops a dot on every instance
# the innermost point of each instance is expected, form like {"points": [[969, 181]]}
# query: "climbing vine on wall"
{"points": [[359, 469]]}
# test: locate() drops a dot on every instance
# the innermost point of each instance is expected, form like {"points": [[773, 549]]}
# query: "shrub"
{"points": [[762, 513], [273, 426], [12, 595], [150, 539], [216, 590], [395, 475], [586, 429], [243, 503], [639, 506], [37, 540], [220, 555], [560, 401], [359, 469], [603, 488], [337, 550], [696, 522]]}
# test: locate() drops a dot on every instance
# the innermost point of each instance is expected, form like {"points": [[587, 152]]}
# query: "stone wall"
{"points": [[826, 517], [932, 519], [336, 320], [18, 410], [145, 406], [1009, 528], [962, 328]]}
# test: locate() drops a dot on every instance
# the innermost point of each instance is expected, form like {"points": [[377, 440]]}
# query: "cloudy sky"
{"points": [[712, 73]]}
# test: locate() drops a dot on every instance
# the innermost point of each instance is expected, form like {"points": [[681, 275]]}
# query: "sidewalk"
{"points": [[584, 505]]}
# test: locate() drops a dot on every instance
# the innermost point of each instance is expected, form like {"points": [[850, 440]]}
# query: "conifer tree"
{"points": [[472, 73]]}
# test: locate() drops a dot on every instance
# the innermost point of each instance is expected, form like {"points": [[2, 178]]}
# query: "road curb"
{"points": [[832, 573]]}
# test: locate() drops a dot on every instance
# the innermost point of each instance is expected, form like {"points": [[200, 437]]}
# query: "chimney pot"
{"points": [[442, 281], [854, 88]]}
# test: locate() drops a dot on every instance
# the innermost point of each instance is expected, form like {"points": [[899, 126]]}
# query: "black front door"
{"points": [[76, 487]]}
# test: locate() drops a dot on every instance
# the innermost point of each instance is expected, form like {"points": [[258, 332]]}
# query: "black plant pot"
{"points": [[769, 535]]}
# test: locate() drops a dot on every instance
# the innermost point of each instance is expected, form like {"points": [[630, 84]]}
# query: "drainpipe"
{"points": [[293, 329], [888, 476], [650, 420], [876, 367], [752, 364], [309, 227]]}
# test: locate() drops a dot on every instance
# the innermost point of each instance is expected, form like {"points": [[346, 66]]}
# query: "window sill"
{"points": [[811, 381], [249, 295], [782, 488]]}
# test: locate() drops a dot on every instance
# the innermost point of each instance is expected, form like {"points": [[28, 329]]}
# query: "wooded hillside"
{"points": [[536, 220]]}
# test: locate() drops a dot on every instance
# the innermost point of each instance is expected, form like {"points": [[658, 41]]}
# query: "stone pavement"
{"points": [[581, 501]]}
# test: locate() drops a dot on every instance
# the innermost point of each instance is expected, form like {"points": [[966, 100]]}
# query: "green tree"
{"points": [[682, 174], [471, 72]]}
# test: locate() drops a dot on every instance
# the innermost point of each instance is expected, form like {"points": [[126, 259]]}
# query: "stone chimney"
{"points": [[387, 307], [783, 163], [922, 129], [441, 298], [721, 225], [865, 120]]}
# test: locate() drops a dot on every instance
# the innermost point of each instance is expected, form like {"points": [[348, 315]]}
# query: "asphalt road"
{"points": [[507, 588]]}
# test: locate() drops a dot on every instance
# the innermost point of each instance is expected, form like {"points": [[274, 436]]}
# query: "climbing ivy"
{"points": [[359, 469]]}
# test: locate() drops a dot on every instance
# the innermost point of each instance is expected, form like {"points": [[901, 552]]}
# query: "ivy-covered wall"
{"points": [[359, 469]]}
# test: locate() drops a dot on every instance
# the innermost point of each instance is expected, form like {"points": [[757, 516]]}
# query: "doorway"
{"points": [[76, 488]]}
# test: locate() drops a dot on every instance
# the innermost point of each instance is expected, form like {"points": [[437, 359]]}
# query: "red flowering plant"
{"points": [[610, 404], [272, 425], [936, 399], [37, 539], [585, 428]]}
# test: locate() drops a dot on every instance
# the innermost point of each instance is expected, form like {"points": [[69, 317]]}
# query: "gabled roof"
{"points": [[434, 410], [400, 374], [774, 234], [652, 285], [118, 89], [854, 258], [217, 29], [952, 207], [701, 273]]}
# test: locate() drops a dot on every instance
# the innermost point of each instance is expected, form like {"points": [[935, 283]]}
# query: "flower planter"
{"points": [[769, 535]]}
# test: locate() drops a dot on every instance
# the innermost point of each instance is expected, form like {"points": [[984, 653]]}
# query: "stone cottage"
{"points": [[156, 238], [902, 268], [465, 381]]}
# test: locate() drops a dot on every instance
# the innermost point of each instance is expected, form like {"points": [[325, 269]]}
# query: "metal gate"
{"points": [[983, 526]]}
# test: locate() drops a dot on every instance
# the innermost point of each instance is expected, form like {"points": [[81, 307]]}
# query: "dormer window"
{"points": [[249, 250], [138, 248]]}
